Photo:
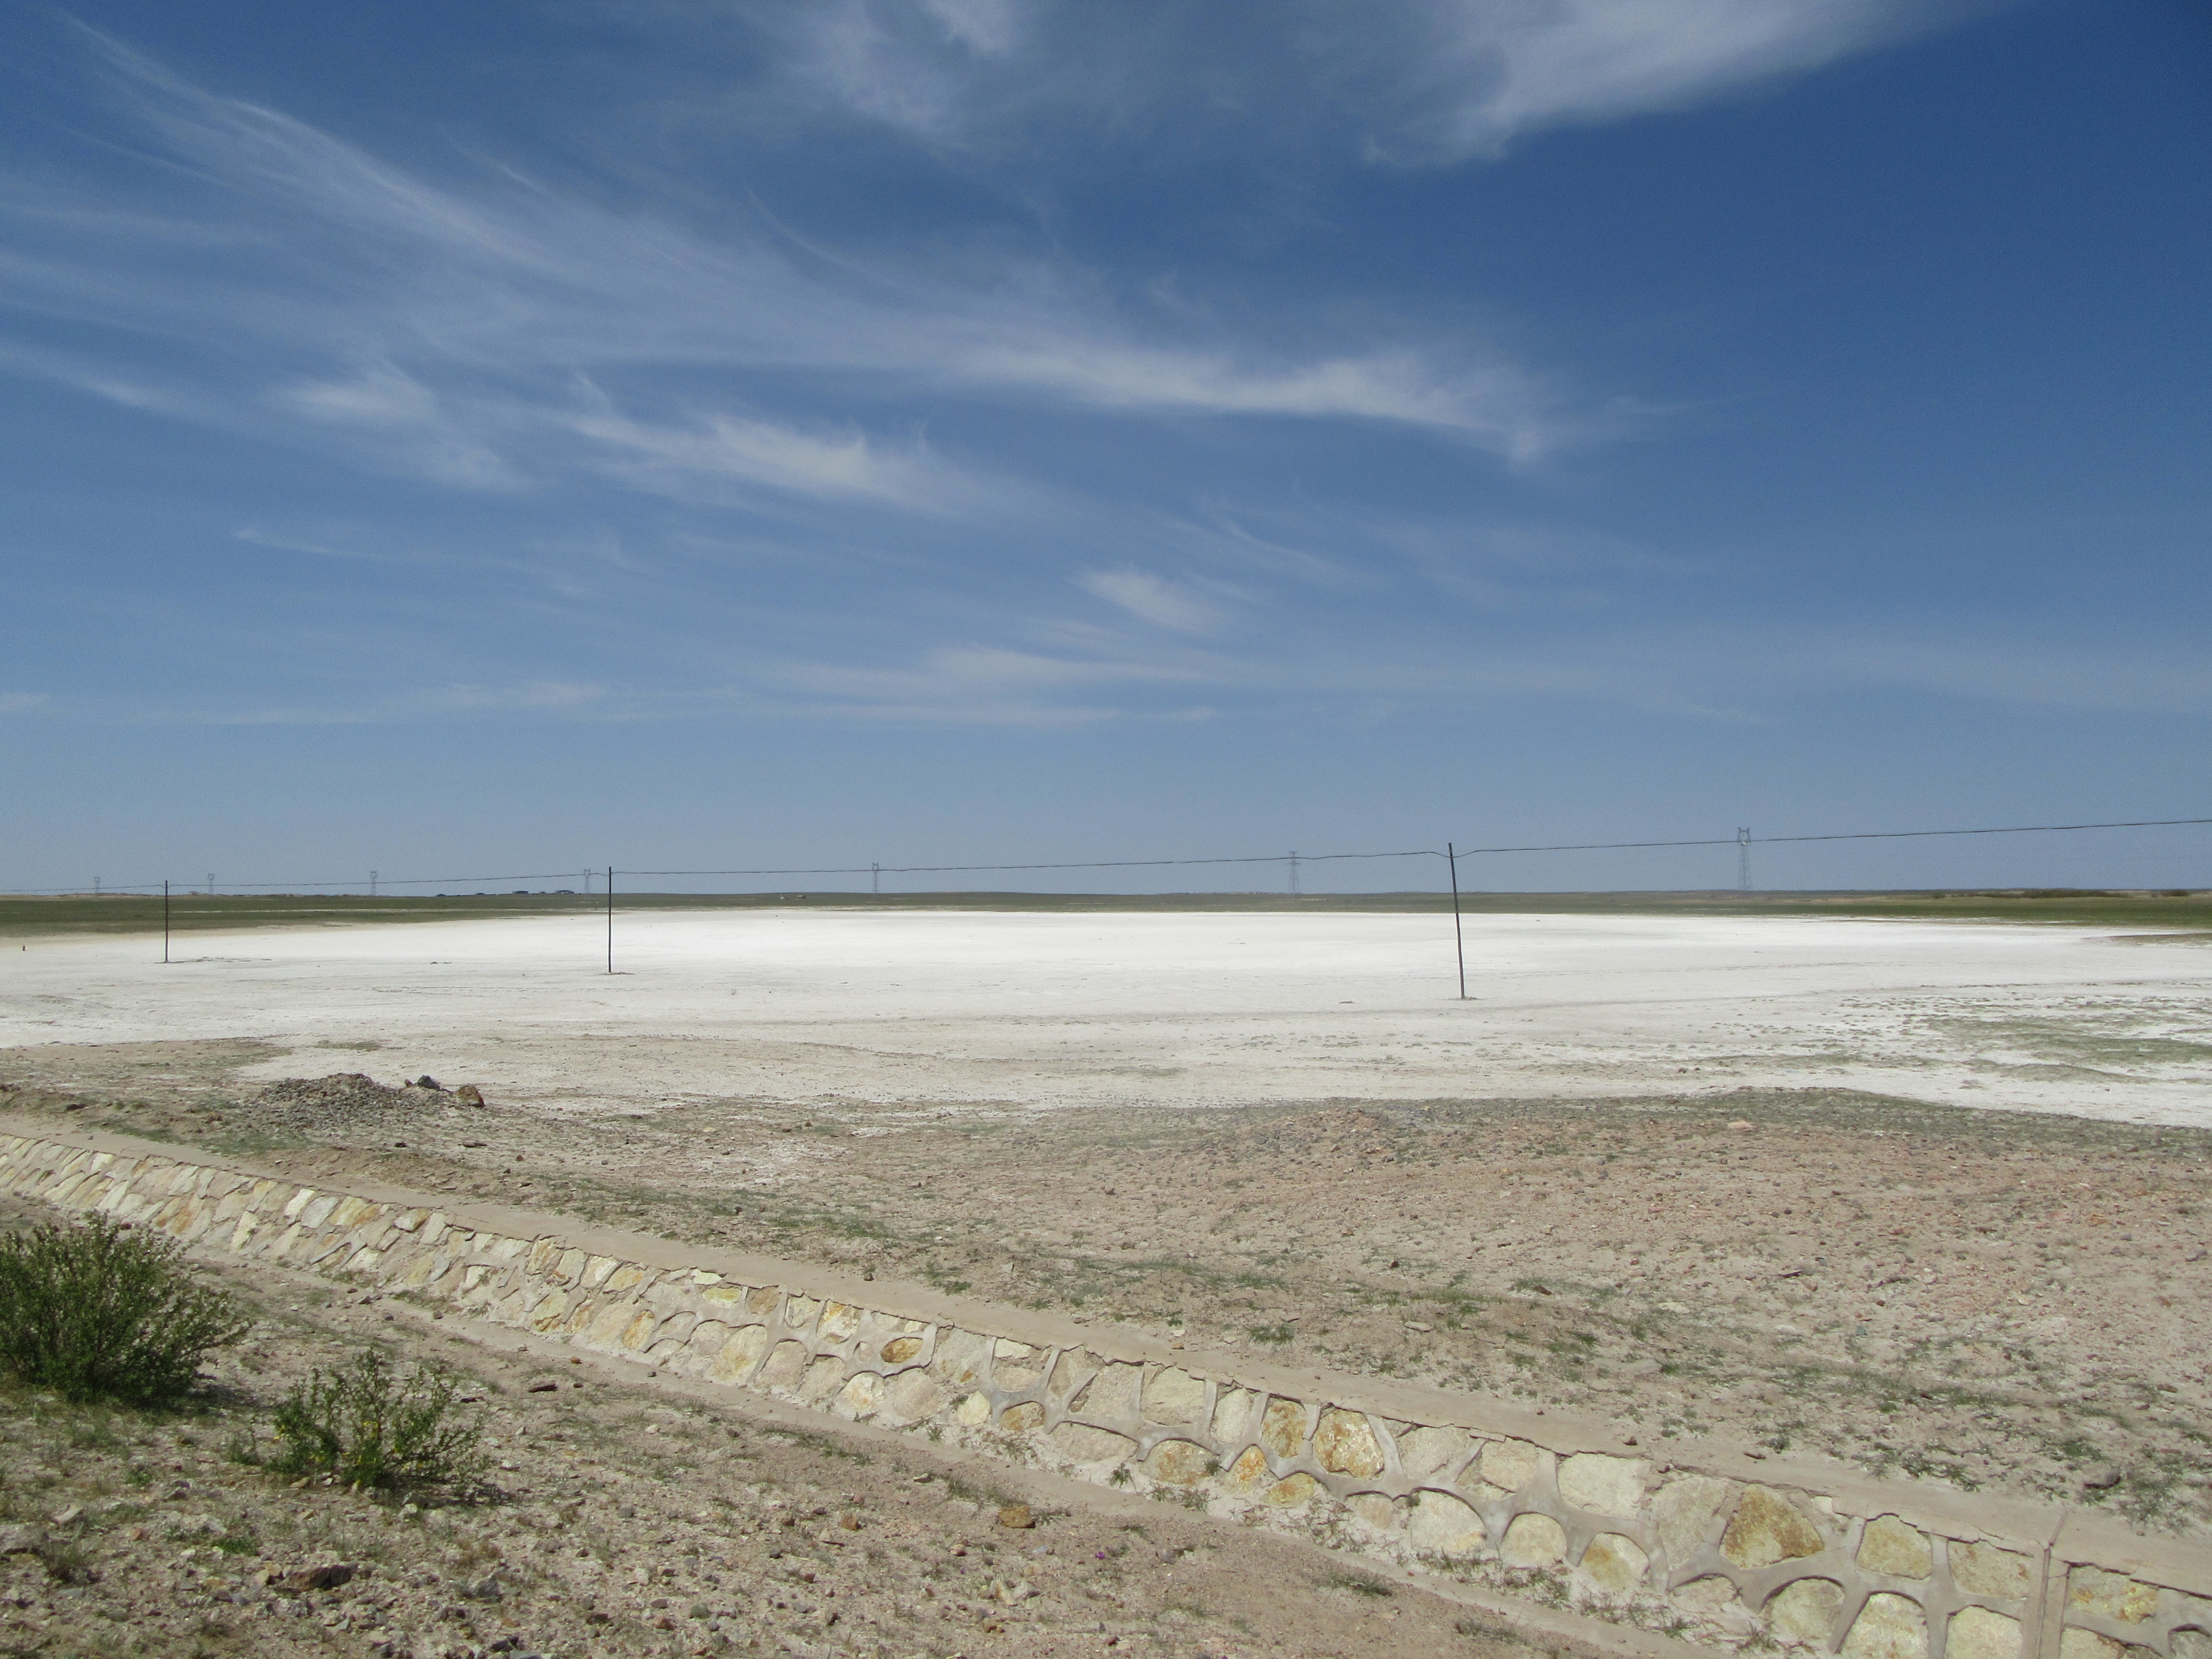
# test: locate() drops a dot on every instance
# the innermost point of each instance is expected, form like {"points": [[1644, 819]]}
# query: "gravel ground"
{"points": [[2010, 1302], [621, 1519]]}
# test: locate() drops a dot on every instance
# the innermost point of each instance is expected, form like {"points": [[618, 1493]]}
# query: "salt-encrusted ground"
{"points": [[1176, 1009]]}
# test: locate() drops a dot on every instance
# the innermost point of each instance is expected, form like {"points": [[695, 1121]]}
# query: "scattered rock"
{"points": [[20, 1540], [1017, 1516], [469, 1095], [329, 1576], [2103, 1480]]}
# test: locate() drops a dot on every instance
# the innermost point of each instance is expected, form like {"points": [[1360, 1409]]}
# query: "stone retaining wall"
{"points": [[1718, 1549]]}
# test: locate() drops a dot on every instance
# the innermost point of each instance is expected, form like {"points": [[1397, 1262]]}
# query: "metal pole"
{"points": [[610, 918], [1459, 942], [164, 922], [875, 879]]}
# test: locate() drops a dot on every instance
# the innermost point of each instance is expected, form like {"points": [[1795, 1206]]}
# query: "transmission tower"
{"points": [[1744, 861], [1294, 872]]}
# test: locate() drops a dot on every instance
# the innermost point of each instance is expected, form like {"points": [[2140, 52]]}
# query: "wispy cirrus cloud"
{"points": [[1152, 598], [493, 334], [1428, 81], [1469, 75]]}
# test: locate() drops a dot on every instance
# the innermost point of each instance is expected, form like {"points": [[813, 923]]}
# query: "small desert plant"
{"points": [[363, 1424], [102, 1311]]}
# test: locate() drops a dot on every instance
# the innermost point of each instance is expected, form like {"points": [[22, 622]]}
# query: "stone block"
{"points": [[740, 1353], [839, 1321], [785, 1366], [1888, 1627], [962, 1359], [1282, 1428], [637, 1335], [1511, 1465], [1344, 1443], [974, 1410], [1374, 1509], [1110, 1396], [2088, 1644], [1233, 1410], [2192, 1643], [823, 1375], [1180, 1463], [1766, 1528], [1022, 1418], [1440, 1524], [1249, 1472], [862, 1395], [1081, 1443], [912, 1397], [1015, 1365], [1426, 1451], [1979, 1633], [1174, 1395], [899, 1349], [1804, 1612], [607, 1324], [1074, 1367], [1292, 1492], [550, 1312], [1614, 1565], [799, 1312], [1686, 1512], [1984, 1570], [1895, 1549], [1611, 1486], [1533, 1541], [2111, 1595]]}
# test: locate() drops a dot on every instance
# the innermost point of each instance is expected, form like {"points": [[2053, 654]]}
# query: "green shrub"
{"points": [[99, 1310], [363, 1425]]}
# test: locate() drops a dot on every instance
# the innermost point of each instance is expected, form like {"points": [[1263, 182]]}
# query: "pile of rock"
{"points": [[349, 1101]]}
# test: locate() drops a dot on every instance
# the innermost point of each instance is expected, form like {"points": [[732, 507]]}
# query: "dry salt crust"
{"points": [[1177, 1009]]}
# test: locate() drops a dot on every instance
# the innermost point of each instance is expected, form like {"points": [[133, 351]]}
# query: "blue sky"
{"points": [[507, 437]]}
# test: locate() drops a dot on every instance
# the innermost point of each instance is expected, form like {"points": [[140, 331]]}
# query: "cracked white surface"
{"points": [[1172, 1008]]}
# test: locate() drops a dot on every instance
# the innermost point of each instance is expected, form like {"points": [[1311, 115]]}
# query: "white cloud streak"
{"points": [[1483, 71], [487, 337], [1425, 81], [1152, 598]]}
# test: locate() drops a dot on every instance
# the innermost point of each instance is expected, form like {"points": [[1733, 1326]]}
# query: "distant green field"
{"points": [[197, 912]]}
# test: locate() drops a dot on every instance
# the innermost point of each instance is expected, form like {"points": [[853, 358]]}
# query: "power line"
{"points": [[1855, 834], [1741, 839], [1084, 864]]}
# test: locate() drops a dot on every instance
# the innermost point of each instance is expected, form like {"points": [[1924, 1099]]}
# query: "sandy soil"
{"points": [[622, 1520]]}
